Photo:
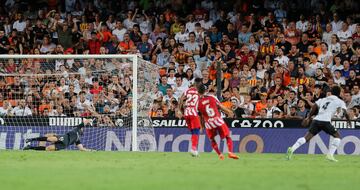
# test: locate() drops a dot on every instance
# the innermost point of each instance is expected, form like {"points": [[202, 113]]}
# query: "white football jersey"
{"points": [[327, 107]]}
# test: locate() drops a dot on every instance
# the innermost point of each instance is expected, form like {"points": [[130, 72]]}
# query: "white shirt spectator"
{"points": [[316, 65], [171, 81], [88, 79], [190, 26], [128, 23], [166, 98], [302, 26], [4, 111], [327, 56], [7, 29], [188, 46], [339, 81], [199, 36], [63, 89], [344, 35], [326, 37], [206, 24], [110, 25], [283, 60], [179, 90], [55, 113], [181, 38], [261, 73], [19, 26], [19, 111], [334, 48], [352, 28], [119, 34], [336, 26], [81, 105], [47, 48], [145, 27], [269, 113], [334, 68]]}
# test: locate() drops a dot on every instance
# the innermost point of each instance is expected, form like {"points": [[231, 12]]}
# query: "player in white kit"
{"points": [[326, 108]]}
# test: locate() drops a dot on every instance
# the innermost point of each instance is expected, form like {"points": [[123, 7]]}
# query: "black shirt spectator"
{"points": [[4, 42], [304, 44]]}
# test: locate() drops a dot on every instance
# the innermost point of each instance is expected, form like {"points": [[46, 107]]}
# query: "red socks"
{"points": [[215, 146], [229, 143], [194, 141]]}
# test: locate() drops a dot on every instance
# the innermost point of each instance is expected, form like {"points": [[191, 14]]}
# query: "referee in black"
{"points": [[62, 141]]}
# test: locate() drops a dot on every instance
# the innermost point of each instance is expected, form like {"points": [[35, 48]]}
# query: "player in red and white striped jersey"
{"points": [[209, 107], [189, 101]]}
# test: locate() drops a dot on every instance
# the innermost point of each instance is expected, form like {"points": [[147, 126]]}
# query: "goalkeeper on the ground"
{"points": [[60, 142]]}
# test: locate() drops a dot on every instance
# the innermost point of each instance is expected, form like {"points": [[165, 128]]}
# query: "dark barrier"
{"points": [[252, 123], [167, 122]]}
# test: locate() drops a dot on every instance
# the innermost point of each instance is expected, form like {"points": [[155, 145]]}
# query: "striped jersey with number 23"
{"points": [[191, 102]]}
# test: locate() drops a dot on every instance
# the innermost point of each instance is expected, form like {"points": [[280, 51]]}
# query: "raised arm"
{"points": [[313, 111], [75, 26], [181, 102], [133, 17], [347, 117], [227, 111]]}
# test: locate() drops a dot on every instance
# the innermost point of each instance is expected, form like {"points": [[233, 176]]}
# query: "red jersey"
{"points": [[208, 107], [191, 102]]}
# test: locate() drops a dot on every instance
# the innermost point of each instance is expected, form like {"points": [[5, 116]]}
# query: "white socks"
{"points": [[298, 143], [334, 144]]}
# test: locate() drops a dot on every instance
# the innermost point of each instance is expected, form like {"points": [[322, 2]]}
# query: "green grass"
{"points": [[127, 171]]}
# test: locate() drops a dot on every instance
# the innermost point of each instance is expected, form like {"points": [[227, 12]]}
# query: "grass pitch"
{"points": [[153, 171]]}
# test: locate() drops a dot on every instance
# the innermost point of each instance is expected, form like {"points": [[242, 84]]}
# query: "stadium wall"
{"points": [[171, 135]]}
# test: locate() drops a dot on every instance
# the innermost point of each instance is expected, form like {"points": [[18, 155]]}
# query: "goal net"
{"points": [[44, 95]]}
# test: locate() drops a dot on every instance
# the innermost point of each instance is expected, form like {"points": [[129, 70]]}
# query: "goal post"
{"points": [[137, 126]]}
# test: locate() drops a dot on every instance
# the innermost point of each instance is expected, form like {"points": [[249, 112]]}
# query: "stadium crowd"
{"points": [[277, 57]]}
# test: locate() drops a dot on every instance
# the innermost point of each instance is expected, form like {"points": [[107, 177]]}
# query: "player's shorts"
{"points": [[193, 122], [61, 143], [223, 131], [317, 126]]}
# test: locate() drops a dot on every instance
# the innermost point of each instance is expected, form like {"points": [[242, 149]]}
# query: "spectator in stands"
{"points": [[238, 111], [5, 109], [126, 45], [246, 45], [22, 109], [271, 107], [301, 111]]}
